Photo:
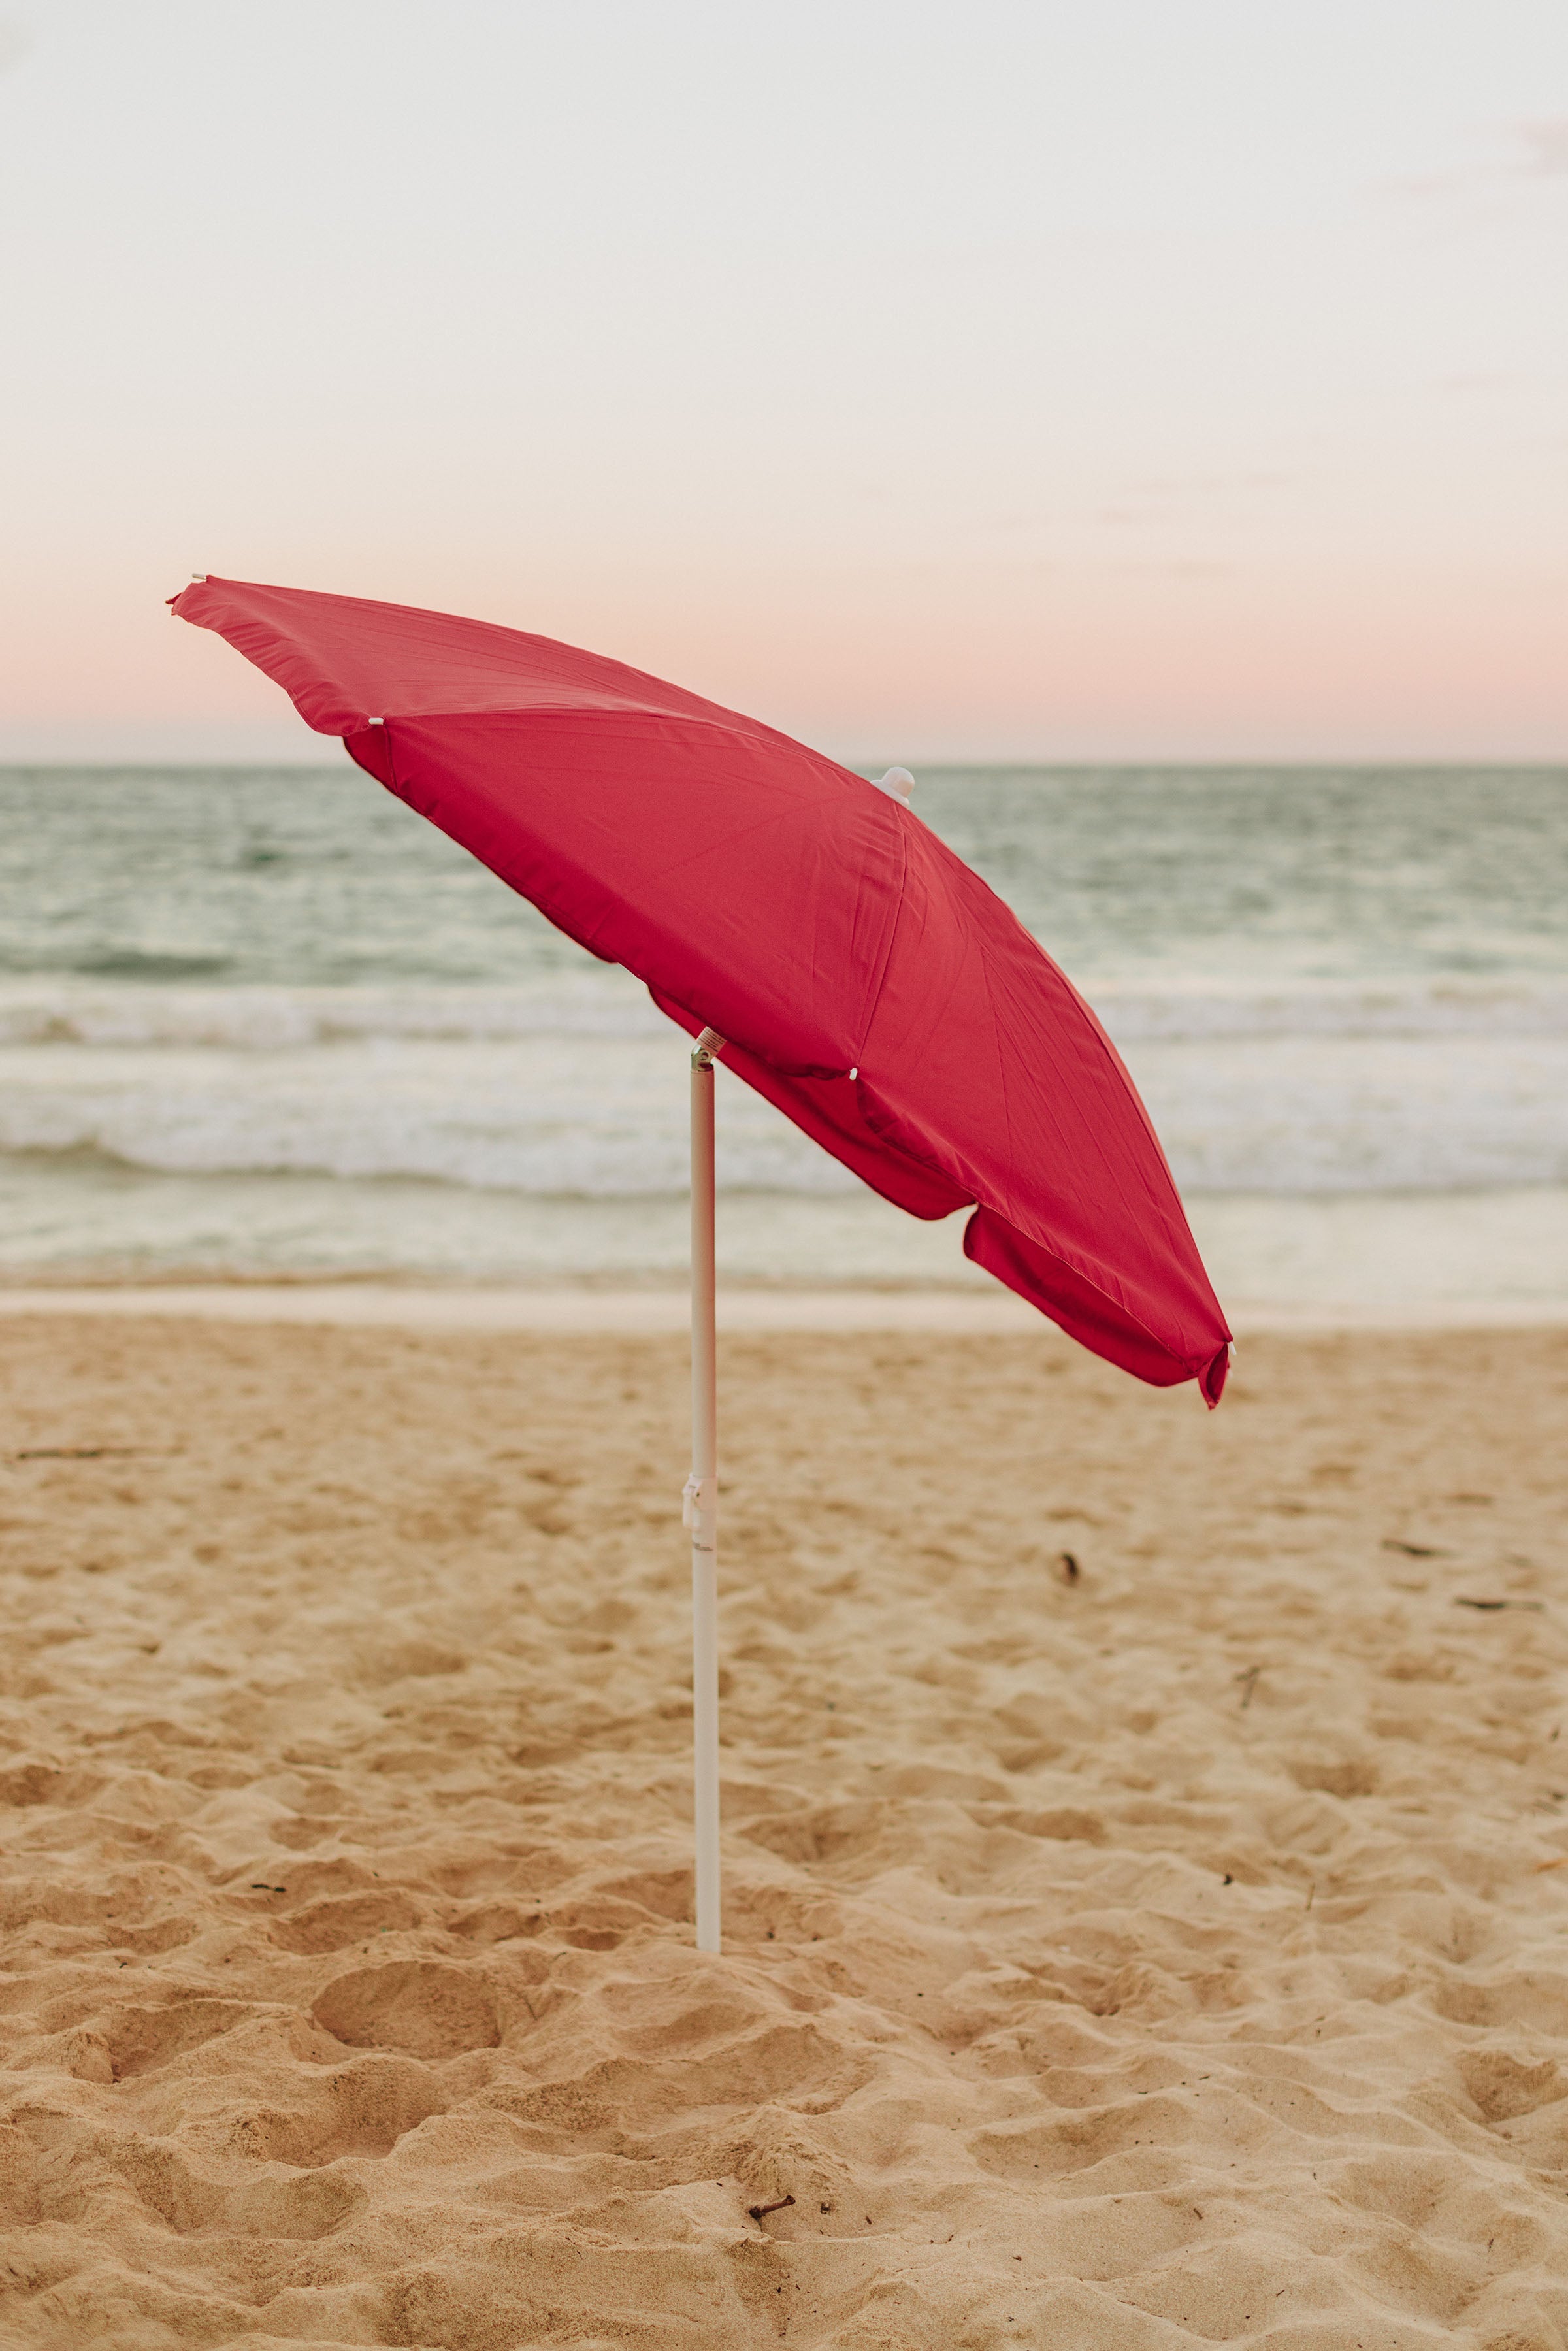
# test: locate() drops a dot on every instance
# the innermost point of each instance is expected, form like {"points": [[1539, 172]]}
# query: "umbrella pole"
{"points": [[702, 1499]]}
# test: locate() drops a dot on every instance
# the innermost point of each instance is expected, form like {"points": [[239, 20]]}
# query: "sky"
{"points": [[1056, 380]]}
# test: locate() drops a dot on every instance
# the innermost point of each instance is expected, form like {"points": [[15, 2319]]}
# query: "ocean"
{"points": [[263, 1022]]}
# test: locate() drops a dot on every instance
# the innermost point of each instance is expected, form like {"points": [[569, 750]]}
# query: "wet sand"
{"points": [[1173, 1950]]}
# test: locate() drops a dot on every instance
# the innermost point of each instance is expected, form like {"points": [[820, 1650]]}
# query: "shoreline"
{"points": [[567, 1310]]}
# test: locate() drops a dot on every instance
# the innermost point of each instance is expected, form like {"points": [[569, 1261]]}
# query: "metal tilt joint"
{"points": [[700, 1498]]}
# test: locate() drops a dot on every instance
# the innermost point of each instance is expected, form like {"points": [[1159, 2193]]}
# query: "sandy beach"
{"points": [[1147, 1837]]}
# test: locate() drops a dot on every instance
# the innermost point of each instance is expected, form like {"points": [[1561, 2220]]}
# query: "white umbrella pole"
{"points": [[702, 1498]]}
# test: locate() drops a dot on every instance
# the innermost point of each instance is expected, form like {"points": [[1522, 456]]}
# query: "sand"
{"points": [[1174, 1953]]}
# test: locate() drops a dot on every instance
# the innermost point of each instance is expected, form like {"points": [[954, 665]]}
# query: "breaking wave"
{"points": [[263, 1019], [579, 1091]]}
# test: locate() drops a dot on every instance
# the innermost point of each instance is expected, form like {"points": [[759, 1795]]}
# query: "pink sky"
{"points": [[1035, 382]]}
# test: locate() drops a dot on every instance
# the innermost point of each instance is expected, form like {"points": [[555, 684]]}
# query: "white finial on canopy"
{"points": [[898, 784]]}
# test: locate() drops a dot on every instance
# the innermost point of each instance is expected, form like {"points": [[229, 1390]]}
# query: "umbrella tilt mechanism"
{"points": [[699, 1498]]}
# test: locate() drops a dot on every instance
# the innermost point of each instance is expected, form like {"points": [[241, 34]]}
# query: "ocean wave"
{"points": [[586, 1158], [261, 1019], [1429, 1007], [611, 1004], [605, 1117]]}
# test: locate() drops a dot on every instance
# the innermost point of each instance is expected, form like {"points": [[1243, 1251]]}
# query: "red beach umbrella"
{"points": [[805, 927]]}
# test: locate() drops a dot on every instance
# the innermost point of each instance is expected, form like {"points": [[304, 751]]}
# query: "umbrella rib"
{"points": [[893, 931]]}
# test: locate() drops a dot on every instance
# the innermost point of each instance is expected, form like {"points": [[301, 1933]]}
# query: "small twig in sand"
{"points": [[1413, 1551], [1249, 1681], [1561, 1863], [1489, 1607], [1067, 1567], [75, 1452], [757, 2212], [1311, 1892]]}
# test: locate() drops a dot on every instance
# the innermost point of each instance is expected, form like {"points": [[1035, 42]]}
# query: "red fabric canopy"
{"points": [[867, 982]]}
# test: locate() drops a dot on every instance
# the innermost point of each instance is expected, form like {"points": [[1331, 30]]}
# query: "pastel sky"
{"points": [[1035, 379]]}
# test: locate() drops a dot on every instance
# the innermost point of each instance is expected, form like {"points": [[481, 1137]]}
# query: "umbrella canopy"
{"points": [[865, 980]]}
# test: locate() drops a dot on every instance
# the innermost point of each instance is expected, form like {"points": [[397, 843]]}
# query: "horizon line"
{"points": [[949, 763]]}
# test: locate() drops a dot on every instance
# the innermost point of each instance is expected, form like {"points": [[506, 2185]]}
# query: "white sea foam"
{"points": [[262, 1019], [594, 1116], [610, 1003], [603, 1116], [1430, 1007]]}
